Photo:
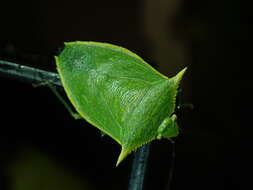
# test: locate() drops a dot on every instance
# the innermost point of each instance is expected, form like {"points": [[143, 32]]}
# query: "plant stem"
{"points": [[139, 168], [33, 75], [28, 74]]}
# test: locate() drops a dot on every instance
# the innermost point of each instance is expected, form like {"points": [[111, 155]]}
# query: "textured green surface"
{"points": [[119, 93]]}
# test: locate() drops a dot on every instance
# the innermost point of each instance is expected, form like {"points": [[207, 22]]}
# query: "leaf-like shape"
{"points": [[119, 93]]}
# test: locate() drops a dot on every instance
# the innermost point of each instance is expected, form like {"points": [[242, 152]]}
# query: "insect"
{"points": [[119, 93]]}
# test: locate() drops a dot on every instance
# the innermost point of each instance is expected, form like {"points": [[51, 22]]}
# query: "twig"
{"points": [[33, 75], [139, 168], [27, 74]]}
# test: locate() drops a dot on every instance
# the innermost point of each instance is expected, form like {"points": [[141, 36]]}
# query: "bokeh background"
{"points": [[43, 148]]}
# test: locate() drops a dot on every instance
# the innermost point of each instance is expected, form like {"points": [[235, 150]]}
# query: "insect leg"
{"points": [[66, 105]]}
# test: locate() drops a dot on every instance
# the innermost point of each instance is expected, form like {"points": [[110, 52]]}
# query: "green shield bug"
{"points": [[119, 93]]}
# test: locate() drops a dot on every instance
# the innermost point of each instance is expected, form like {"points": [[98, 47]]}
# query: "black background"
{"points": [[214, 149]]}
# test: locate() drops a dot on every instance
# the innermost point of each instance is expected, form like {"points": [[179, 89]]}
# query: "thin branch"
{"points": [[139, 166], [27, 74]]}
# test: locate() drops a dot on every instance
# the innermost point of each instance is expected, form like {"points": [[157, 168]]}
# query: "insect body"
{"points": [[119, 93]]}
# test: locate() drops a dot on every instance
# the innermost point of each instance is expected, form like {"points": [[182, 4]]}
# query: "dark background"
{"points": [[42, 147]]}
